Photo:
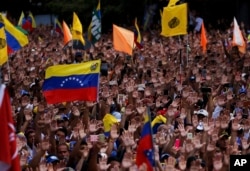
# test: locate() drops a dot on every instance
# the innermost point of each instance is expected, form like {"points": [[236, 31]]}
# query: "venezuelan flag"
{"points": [[58, 26], [3, 45], [158, 120], [15, 38], [145, 151], [64, 83]]}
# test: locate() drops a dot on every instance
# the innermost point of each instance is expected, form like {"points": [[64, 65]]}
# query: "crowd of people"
{"points": [[199, 102]]}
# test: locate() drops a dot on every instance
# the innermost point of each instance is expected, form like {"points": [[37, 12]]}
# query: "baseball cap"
{"points": [[202, 112]]}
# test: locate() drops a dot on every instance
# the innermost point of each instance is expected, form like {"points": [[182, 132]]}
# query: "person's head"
{"points": [[30, 136], [114, 163], [222, 141], [61, 134], [194, 163], [63, 151]]}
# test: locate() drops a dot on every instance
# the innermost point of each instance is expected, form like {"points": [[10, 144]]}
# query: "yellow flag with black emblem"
{"points": [[174, 19], [3, 44]]}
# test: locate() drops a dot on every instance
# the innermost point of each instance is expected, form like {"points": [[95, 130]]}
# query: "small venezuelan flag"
{"points": [[64, 83]]}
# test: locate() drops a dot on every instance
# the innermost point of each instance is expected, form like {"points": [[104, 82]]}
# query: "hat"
{"points": [[202, 112], [224, 134], [117, 115], [52, 159], [164, 157]]}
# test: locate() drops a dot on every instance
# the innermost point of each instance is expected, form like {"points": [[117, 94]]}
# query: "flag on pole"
{"points": [[137, 36], [15, 38], [203, 38], [95, 27], [67, 36], [28, 22], [65, 83], [145, 150], [123, 39], [77, 29], [3, 43], [9, 160], [238, 39], [174, 19], [58, 26]]}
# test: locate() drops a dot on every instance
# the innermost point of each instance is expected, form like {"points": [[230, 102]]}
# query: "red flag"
{"points": [[9, 160]]}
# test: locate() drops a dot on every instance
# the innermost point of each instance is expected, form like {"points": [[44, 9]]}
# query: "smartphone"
{"points": [[101, 138], [177, 143], [190, 135], [94, 138]]}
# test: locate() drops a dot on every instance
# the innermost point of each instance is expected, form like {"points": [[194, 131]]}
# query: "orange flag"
{"points": [[123, 39], [238, 39], [203, 38], [67, 34]]}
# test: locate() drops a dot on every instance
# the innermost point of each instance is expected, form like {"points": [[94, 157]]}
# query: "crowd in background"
{"points": [[201, 101]]}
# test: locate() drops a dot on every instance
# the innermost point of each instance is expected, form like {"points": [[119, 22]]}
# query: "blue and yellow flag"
{"points": [[65, 83], [3, 43], [95, 27], [15, 38], [108, 121], [174, 19], [158, 120], [28, 22], [58, 26]]}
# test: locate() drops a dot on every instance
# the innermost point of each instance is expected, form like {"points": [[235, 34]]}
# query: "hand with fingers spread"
{"points": [[129, 109], [103, 166], [182, 162], [161, 138], [127, 160], [94, 126], [133, 125], [114, 131], [182, 130], [127, 138], [141, 108], [217, 162], [170, 164], [130, 86], [197, 142], [211, 146]]}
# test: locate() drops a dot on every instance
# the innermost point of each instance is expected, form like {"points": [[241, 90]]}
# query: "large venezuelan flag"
{"points": [[15, 38], [64, 83], [145, 151]]}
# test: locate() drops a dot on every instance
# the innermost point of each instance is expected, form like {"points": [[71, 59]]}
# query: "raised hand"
{"points": [[170, 164], [127, 160], [94, 125], [130, 86], [114, 131], [103, 164], [75, 111], [182, 162], [195, 120], [217, 162], [197, 142], [128, 138], [245, 144]]}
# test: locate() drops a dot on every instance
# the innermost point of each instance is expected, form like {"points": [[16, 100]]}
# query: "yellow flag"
{"points": [[174, 19], [123, 39], [20, 21], [77, 29], [3, 43]]}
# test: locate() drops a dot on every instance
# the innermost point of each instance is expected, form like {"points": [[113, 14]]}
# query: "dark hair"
{"points": [[64, 130]]}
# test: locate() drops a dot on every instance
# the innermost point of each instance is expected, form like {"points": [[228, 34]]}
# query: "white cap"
{"points": [[202, 112]]}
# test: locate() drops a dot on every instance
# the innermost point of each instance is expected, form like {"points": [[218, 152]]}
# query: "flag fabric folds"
{"points": [[145, 151], [9, 160], [65, 83], [123, 39], [3, 45], [67, 36], [108, 121], [15, 38], [28, 22], [158, 120], [238, 39], [203, 38], [58, 26], [77, 31], [174, 19], [95, 27], [137, 36]]}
